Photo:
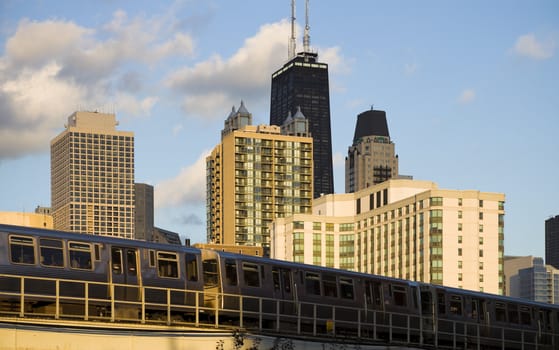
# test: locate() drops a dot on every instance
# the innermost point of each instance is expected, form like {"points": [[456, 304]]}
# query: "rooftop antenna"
{"points": [[291, 48], [307, 37]]}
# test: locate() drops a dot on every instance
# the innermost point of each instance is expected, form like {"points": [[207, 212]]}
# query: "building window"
{"points": [[459, 226], [459, 264], [481, 253], [459, 214], [459, 202], [298, 225], [459, 239], [480, 228], [317, 226], [435, 201], [480, 240], [460, 276], [481, 215], [329, 227], [481, 203], [459, 251]]}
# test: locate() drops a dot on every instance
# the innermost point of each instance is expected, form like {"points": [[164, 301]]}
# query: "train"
{"points": [[122, 279]]}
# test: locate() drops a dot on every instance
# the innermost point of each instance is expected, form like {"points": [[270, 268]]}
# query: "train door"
{"points": [[283, 290], [428, 314], [212, 283], [373, 299], [125, 273]]}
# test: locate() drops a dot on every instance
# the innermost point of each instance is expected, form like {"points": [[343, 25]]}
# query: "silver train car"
{"points": [[224, 286]]}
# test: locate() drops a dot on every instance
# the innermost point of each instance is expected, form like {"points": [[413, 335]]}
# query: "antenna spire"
{"points": [[291, 49], [307, 37]]}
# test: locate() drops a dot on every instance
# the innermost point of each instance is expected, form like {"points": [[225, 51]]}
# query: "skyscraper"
{"points": [[303, 82], [92, 176], [256, 174], [143, 217], [371, 159], [552, 241]]}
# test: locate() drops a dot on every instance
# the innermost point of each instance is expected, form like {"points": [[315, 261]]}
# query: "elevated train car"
{"points": [[102, 261], [264, 290]]}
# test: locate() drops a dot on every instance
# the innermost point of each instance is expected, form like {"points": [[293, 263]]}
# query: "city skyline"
{"points": [[469, 92]]}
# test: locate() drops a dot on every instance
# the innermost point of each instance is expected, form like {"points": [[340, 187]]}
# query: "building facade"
{"points": [[405, 229], [37, 220], [372, 158], [92, 176], [552, 241], [529, 278], [255, 175], [143, 214], [303, 83]]}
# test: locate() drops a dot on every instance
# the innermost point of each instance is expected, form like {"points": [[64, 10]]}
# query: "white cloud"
{"points": [[467, 96], [189, 186], [528, 45], [129, 104], [212, 85], [32, 106], [50, 68], [410, 68]]}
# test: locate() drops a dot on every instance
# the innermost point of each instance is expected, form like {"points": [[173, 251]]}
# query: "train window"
{"points": [[500, 312], [22, 250], [251, 274], [455, 305], [210, 273], [525, 315], [52, 252], [346, 288], [441, 303], [329, 286], [276, 279], [152, 258], [80, 255], [231, 272], [286, 277], [131, 262], [513, 313], [373, 293], [312, 283], [191, 267], [116, 261], [399, 295], [167, 265], [97, 248]]}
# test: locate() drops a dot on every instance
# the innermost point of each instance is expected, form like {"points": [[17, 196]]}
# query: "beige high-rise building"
{"points": [[405, 229], [372, 158], [92, 176], [256, 174]]}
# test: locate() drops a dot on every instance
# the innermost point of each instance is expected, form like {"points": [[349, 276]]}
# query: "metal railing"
{"points": [[110, 302]]}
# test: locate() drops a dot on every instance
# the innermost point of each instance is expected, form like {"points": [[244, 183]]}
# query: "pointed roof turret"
{"points": [[232, 112], [288, 119], [242, 109], [299, 114]]}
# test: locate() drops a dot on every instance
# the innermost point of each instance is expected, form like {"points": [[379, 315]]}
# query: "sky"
{"points": [[470, 90]]}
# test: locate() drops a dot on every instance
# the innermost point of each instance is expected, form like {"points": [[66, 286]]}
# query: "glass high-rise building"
{"points": [[256, 174], [92, 176], [303, 82]]}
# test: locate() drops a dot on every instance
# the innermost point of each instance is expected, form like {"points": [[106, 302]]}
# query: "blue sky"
{"points": [[470, 90]]}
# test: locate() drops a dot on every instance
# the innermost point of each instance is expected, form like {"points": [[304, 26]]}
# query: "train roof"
{"points": [[92, 238]]}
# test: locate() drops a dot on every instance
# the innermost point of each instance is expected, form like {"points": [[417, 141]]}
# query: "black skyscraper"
{"points": [[303, 82], [552, 241]]}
